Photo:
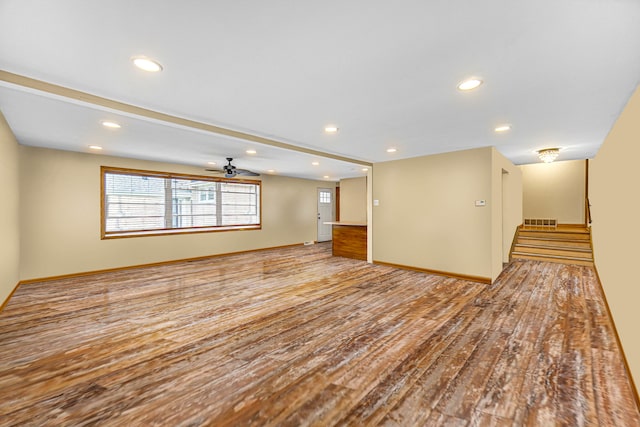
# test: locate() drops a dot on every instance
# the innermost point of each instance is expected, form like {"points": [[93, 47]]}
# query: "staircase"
{"points": [[567, 245]]}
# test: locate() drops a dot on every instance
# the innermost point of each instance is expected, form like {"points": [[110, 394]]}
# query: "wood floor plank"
{"points": [[576, 379], [294, 336]]}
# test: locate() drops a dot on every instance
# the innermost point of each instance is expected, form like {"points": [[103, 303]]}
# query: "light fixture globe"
{"points": [[548, 155]]}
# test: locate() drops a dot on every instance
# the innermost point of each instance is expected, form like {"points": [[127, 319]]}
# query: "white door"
{"points": [[325, 213]]}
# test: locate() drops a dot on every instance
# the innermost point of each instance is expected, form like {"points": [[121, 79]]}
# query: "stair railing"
{"points": [[587, 209]]}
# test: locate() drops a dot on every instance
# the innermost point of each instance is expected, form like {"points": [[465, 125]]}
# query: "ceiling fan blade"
{"points": [[245, 172], [231, 171]]}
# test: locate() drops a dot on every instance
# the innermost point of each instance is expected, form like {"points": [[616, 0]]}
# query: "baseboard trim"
{"points": [[6, 301], [480, 279], [615, 331], [153, 264]]}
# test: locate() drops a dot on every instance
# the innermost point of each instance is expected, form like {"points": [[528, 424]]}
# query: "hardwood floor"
{"points": [[296, 337]]}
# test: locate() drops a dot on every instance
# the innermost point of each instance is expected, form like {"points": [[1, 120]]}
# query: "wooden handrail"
{"points": [[587, 207]]}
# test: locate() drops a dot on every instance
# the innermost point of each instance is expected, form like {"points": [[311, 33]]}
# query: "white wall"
{"points": [[353, 200], [555, 190], [9, 213], [613, 187], [60, 227]]}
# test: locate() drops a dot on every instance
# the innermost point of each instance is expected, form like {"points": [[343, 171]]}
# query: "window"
{"points": [[138, 203], [325, 197]]}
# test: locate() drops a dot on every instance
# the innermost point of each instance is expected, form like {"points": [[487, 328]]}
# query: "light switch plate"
{"points": [[376, 202], [481, 202]]}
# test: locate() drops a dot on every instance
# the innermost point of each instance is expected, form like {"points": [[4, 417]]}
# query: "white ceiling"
{"points": [[560, 71]]}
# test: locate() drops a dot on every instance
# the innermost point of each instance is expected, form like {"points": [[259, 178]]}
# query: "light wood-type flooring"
{"points": [[295, 337]]}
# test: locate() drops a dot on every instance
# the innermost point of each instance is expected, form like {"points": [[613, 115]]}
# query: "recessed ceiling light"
{"points": [[391, 150], [365, 169], [271, 171], [147, 64], [111, 125], [315, 163], [470, 84], [502, 128], [95, 147], [251, 151], [331, 129], [326, 177], [212, 163]]}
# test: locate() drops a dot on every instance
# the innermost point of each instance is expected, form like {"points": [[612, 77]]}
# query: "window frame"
{"points": [[104, 234]]}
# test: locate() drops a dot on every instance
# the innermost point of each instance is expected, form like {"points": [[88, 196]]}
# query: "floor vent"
{"points": [[309, 242], [540, 223]]}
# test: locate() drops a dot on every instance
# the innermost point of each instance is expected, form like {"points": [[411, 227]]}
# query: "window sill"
{"points": [[166, 232]]}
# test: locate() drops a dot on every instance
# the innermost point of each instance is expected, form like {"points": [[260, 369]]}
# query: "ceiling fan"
{"points": [[231, 171]]}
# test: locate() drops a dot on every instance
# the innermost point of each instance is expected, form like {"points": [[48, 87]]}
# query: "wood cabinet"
{"points": [[350, 240]]}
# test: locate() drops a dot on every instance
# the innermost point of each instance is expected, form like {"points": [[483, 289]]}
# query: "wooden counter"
{"points": [[349, 239]]}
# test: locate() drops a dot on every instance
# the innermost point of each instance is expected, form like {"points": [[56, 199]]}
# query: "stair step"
{"points": [[554, 247], [551, 258], [559, 229], [545, 251], [554, 242], [563, 245], [554, 256], [570, 235]]}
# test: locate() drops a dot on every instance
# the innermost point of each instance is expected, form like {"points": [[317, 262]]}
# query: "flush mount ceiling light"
{"points": [[502, 128], [331, 129], [95, 147], [469, 84], [146, 64], [111, 125], [251, 151], [548, 155], [391, 150]]}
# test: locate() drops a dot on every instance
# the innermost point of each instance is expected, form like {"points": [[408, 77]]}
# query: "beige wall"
{"points": [[555, 190], [426, 216], [614, 178], [506, 208], [9, 213], [353, 199], [60, 227]]}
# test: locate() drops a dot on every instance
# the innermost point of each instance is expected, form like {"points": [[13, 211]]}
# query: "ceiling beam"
{"points": [[39, 85]]}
